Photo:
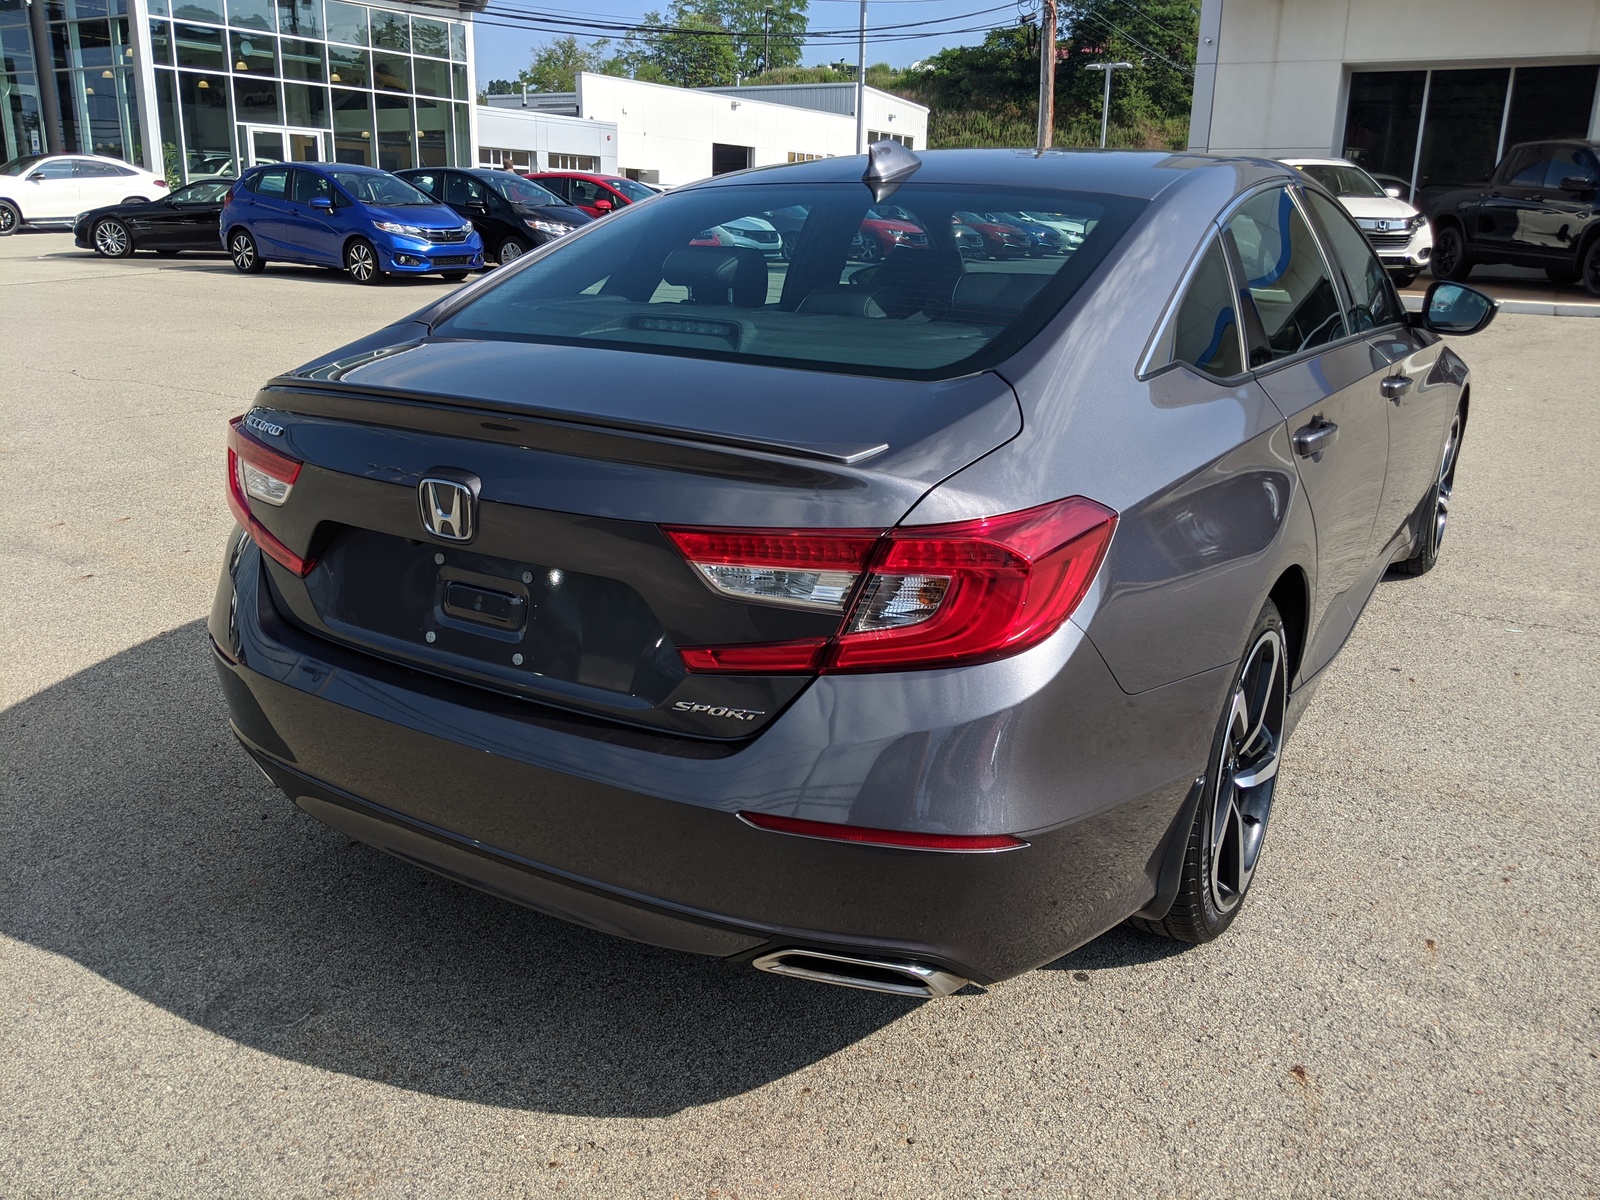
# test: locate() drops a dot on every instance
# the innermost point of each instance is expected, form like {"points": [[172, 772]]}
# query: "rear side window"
{"points": [[89, 169], [271, 183], [1206, 332], [1373, 301], [813, 276], [1284, 273]]}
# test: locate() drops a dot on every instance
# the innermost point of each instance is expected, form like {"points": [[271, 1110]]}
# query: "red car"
{"points": [[882, 231], [1000, 240], [595, 194]]}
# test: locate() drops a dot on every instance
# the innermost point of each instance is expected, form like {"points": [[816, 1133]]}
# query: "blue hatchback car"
{"points": [[366, 221]]}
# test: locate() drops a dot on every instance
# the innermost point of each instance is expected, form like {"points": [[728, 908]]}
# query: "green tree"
{"points": [[691, 48], [765, 34], [555, 66], [501, 87], [1157, 36]]}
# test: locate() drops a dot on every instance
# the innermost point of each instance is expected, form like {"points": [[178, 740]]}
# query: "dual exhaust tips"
{"points": [[897, 977]]}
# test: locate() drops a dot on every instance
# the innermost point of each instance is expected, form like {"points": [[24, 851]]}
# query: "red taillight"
{"points": [[258, 472], [227, 196], [933, 596], [829, 831], [159, 183]]}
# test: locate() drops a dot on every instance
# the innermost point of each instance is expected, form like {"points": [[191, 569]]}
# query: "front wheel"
{"points": [[10, 219], [1591, 268], [246, 257], [1435, 512], [361, 261], [111, 238], [510, 250], [1450, 259], [1230, 826]]}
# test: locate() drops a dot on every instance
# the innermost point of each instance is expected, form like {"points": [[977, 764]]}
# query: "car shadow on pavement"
{"points": [[143, 845]]}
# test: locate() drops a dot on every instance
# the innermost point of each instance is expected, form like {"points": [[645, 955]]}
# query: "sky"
{"points": [[503, 51]]}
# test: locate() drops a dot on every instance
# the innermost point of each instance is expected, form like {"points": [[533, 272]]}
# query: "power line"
{"points": [[1115, 28]]}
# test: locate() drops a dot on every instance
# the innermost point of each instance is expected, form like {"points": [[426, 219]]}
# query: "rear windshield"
{"points": [[810, 276]]}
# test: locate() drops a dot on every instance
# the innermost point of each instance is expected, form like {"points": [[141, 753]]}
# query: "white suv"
{"points": [[52, 189], [1400, 235]]}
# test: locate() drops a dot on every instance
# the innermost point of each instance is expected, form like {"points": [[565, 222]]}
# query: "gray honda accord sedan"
{"points": [[891, 625]]}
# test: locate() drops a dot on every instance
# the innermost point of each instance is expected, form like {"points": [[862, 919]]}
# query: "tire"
{"points": [[246, 256], [10, 219], [361, 262], [788, 239], [112, 239], [168, 253], [1562, 276], [1434, 512], [454, 276], [1450, 258], [1591, 267], [510, 250], [1230, 824], [1404, 279], [868, 250], [135, 200]]}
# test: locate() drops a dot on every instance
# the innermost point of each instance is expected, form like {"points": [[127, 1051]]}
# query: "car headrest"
{"points": [[719, 274], [992, 298], [842, 300]]}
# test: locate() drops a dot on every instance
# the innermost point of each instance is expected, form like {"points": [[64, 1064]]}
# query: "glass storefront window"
{"points": [[430, 37], [458, 44], [1461, 136], [256, 102], [200, 47], [76, 10], [254, 54], [198, 10], [432, 79], [1380, 131], [207, 128], [391, 72], [395, 125], [458, 75], [252, 14], [303, 18], [167, 114], [159, 8], [346, 23], [303, 61], [303, 105], [390, 30], [433, 133], [348, 68], [1550, 102], [161, 43], [352, 127]]}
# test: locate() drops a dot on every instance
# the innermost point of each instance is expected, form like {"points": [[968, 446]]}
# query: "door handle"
{"points": [[1395, 386], [1311, 440]]}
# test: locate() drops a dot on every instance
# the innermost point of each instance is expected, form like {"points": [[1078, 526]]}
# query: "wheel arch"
{"points": [[1291, 594]]}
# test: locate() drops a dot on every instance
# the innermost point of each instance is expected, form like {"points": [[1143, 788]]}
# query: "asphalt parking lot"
{"points": [[206, 993]]}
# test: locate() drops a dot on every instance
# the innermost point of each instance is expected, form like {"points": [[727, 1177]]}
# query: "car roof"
{"points": [[1584, 142], [1142, 174], [578, 175]]}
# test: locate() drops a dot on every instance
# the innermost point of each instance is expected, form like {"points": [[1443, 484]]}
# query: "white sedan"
{"points": [[52, 189], [1399, 234]]}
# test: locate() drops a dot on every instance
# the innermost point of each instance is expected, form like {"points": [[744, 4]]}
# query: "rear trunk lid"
{"points": [[568, 592]]}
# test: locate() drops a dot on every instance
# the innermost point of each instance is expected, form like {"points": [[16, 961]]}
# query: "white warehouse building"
{"points": [[1424, 92], [671, 135]]}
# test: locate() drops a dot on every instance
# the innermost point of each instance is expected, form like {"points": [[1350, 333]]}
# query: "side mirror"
{"points": [[1455, 309], [1578, 183], [322, 204], [602, 206], [1392, 192]]}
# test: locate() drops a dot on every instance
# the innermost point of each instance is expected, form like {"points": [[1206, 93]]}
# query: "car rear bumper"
{"points": [[636, 834]]}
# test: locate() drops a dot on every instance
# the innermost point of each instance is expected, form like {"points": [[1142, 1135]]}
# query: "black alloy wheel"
{"points": [[1435, 510], [1450, 259], [510, 250], [111, 238], [788, 239], [1230, 825], [242, 249], [1591, 267], [10, 218], [361, 261]]}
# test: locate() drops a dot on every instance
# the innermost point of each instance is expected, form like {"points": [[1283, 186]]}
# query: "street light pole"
{"points": [[766, 39], [1047, 77], [861, 85], [1105, 105]]}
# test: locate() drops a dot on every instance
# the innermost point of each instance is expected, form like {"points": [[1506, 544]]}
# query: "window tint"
{"points": [[59, 168], [1373, 301], [428, 182], [462, 190], [308, 186], [1206, 333], [1285, 275], [705, 272], [582, 191], [210, 192], [1571, 162], [271, 183], [89, 169], [1530, 168]]}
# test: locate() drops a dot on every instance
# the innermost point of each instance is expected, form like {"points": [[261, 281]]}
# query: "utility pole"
{"points": [[1105, 105], [766, 39], [861, 85], [1047, 76]]}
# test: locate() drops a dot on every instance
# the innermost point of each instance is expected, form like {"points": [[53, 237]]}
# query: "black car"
{"points": [[510, 213], [186, 219], [1537, 210]]}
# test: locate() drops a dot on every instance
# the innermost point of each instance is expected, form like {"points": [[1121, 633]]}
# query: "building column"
{"points": [[1205, 75], [44, 71]]}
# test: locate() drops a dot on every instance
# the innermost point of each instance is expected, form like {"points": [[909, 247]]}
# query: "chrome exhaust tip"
{"points": [[896, 977]]}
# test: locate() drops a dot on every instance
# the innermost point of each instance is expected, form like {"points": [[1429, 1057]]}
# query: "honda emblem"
{"points": [[447, 508]]}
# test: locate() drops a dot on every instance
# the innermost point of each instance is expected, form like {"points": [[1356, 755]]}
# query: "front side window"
{"points": [[583, 191], [704, 272], [59, 168], [210, 192], [1206, 330], [308, 186], [1373, 301], [463, 190], [1530, 167], [523, 191], [1284, 273]]}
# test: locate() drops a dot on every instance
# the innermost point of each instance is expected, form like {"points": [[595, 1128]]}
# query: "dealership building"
{"points": [[1424, 92], [196, 88]]}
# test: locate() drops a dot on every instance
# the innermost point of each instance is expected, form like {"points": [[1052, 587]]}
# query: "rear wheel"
{"points": [[1436, 506], [361, 261], [111, 238], [1591, 268], [10, 218], [1225, 841], [242, 249], [510, 250], [1450, 260], [135, 200]]}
